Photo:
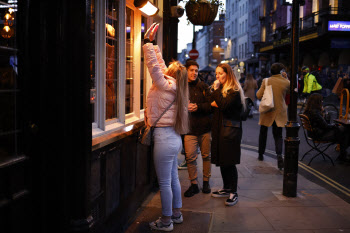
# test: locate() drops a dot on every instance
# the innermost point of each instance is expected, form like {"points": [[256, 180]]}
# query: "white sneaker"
{"points": [[177, 220], [160, 226], [182, 166]]}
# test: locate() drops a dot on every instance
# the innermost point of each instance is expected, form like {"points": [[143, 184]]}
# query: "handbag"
{"points": [[245, 112], [146, 133], [267, 103]]}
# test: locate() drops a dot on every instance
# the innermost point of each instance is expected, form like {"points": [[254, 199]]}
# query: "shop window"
{"points": [[111, 59], [9, 130], [118, 74], [129, 94], [263, 34], [92, 62], [143, 86]]}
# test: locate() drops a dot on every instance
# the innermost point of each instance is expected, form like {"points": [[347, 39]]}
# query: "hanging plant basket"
{"points": [[201, 13]]}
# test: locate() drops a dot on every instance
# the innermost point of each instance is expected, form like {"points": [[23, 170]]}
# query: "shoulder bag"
{"points": [[267, 103], [146, 133]]}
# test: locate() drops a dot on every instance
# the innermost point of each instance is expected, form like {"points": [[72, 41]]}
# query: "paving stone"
{"points": [[304, 218]]}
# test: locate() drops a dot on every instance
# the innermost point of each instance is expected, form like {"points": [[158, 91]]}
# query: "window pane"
{"points": [[8, 79], [129, 88], [111, 58], [144, 27], [92, 62]]}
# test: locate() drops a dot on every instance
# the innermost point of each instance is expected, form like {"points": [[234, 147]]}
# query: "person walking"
{"points": [[169, 88], [250, 87], [200, 126], [228, 101], [277, 117], [310, 82]]}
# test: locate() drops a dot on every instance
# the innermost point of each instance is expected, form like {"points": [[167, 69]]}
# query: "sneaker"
{"points": [[220, 193], [182, 166], [192, 190], [177, 220], [232, 200], [160, 226], [206, 187]]}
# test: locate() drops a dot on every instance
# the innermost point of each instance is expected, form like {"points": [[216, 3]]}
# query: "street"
{"points": [[333, 178]]}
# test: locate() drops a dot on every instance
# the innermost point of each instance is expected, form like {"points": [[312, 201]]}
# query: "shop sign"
{"points": [[340, 43], [339, 26], [281, 42]]}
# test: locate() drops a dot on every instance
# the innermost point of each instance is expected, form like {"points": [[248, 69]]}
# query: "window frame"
{"points": [[101, 125]]}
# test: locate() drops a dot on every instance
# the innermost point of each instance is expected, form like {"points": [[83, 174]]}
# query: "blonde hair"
{"points": [[178, 71], [231, 82]]}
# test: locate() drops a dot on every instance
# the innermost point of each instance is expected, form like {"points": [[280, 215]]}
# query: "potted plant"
{"points": [[202, 12]]}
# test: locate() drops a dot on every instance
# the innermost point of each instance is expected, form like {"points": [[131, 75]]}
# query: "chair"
{"points": [[319, 146]]}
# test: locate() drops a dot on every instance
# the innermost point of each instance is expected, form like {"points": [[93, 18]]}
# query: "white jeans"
{"points": [[167, 145]]}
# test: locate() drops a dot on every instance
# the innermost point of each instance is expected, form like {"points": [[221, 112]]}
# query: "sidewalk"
{"points": [[261, 206]]}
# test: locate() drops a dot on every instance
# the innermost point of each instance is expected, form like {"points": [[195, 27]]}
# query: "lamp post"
{"points": [[292, 140]]}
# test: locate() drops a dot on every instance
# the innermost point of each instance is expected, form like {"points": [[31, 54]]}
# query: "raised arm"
{"points": [[153, 58]]}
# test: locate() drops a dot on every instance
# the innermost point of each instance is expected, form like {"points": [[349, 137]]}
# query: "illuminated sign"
{"points": [[287, 2], [339, 26]]}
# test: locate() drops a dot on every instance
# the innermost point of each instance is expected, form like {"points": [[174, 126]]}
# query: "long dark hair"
{"points": [[314, 102]]}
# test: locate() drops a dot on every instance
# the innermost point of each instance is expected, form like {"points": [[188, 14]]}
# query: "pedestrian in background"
{"points": [[310, 82], [250, 87], [228, 101], [199, 136], [277, 117], [169, 85]]}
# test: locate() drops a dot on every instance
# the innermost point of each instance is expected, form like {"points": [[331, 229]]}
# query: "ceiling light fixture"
{"points": [[146, 7]]}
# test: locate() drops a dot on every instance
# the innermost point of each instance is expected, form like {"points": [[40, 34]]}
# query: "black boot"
{"points": [[261, 157], [206, 187], [192, 190], [280, 163]]}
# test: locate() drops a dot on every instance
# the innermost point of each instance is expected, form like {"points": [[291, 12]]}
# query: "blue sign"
{"points": [[339, 26], [340, 43]]}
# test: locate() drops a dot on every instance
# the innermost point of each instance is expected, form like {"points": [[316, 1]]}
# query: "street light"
{"points": [[146, 7]]}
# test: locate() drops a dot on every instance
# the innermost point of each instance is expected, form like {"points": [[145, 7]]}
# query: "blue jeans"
{"points": [[167, 145]]}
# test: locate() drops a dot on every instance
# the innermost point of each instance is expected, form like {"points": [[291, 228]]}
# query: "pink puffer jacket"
{"points": [[163, 89]]}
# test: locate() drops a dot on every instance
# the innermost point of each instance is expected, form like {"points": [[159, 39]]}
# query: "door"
{"points": [[14, 176]]}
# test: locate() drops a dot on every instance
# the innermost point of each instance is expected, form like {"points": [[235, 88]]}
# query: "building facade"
{"points": [[321, 47]]}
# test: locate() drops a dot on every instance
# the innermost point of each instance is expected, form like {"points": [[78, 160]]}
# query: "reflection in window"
{"points": [[144, 27], [111, 58], [92, 60], [8, 82], [129, 88]]}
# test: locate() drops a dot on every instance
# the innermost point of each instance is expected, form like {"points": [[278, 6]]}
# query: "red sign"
{"points": [[193, 54]]}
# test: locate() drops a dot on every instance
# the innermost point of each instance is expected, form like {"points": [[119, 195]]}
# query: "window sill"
{"points": [[104, 138]]}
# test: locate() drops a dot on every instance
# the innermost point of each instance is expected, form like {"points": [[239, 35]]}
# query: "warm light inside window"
{"points": [[217, 46], [149, 9], [7, 16], [7, 28]]}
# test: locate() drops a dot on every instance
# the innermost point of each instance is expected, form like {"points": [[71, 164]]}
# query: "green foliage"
{"points": [[212, 2]]}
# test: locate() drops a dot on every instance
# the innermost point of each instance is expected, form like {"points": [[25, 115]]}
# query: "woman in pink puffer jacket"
{"points": [[170, 86]]}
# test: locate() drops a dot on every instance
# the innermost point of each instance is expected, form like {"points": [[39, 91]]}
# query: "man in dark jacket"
{"points": [[200, 126]]}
